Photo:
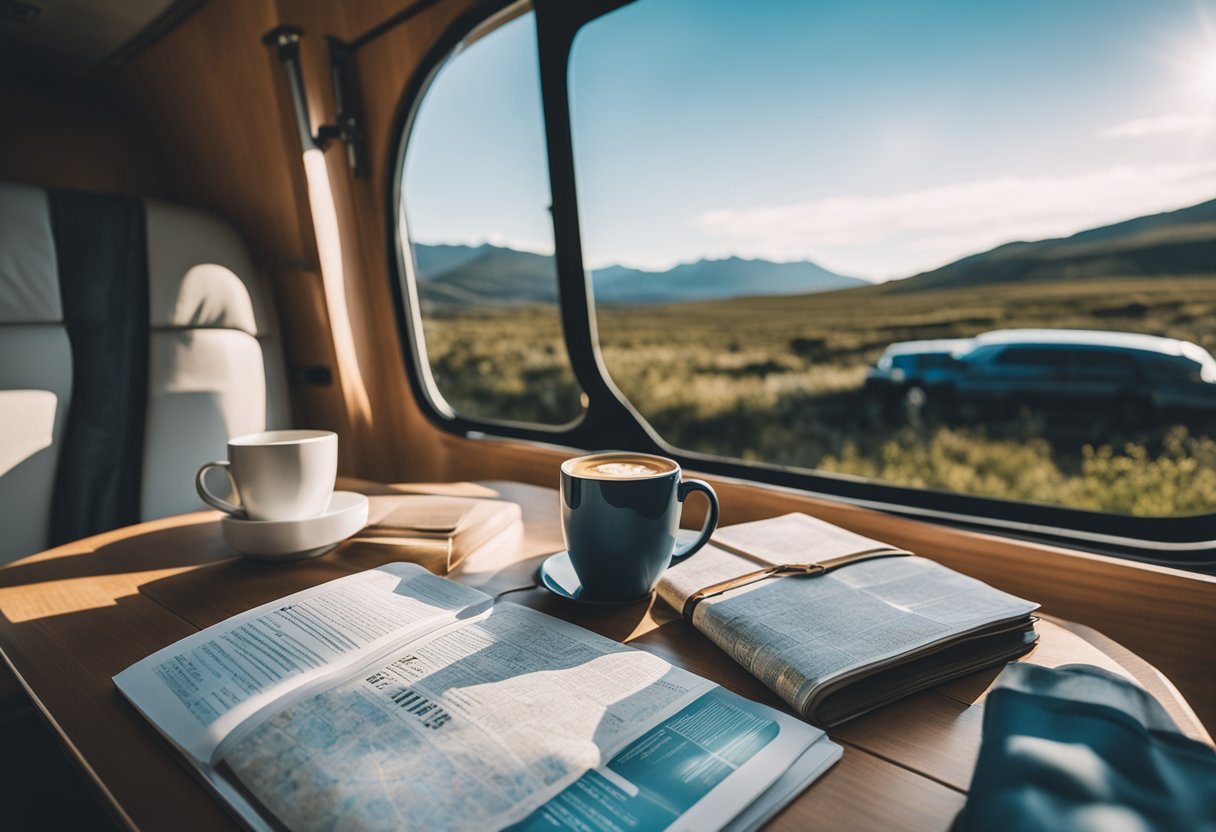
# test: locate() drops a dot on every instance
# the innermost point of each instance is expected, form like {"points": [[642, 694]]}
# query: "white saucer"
{"points": [[298, 539]]}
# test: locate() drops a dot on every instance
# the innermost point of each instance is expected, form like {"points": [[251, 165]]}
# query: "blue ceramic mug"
{"points": [[620, 512]]}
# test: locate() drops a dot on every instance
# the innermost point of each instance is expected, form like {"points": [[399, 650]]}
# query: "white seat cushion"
{"points": [[29, 282], [204, 386], [215, 364], [35, 394]]}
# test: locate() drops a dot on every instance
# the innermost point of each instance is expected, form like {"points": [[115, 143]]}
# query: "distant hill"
{"points": [[435, 260], [717, 279], [1171, 244], [486, 274]]}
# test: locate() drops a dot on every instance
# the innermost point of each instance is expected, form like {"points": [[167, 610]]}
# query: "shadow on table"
{"points": [[67, 659], [190, 541]]}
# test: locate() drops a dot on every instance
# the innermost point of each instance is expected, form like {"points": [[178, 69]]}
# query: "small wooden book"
{"points": [[433, 531]]}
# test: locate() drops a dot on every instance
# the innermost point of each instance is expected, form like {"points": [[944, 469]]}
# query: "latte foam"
{"points": [[619, 467], [625, 469]]}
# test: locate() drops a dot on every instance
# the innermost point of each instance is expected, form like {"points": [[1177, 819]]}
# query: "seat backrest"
{"points": [[135, 339]]}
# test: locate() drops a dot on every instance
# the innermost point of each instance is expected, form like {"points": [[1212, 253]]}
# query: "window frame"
{"points": [[609, 420]]}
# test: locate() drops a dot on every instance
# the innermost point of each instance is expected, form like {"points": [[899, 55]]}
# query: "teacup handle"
{"points": [[210, 499], [711, 517]]}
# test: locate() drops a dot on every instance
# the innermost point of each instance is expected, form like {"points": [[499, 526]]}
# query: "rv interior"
{"points": [[924, 292]]}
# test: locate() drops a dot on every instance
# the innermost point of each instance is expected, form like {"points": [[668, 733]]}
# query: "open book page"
{"points": [[790, 783], [798, 632], [473, 728], [200, 688], [794, 538], [720, 757]]}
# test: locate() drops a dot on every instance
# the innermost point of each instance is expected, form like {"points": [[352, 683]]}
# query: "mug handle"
{"points": [[210, 499], [711, 518]]}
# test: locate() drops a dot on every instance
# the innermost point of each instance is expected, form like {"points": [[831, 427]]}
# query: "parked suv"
{"points": [[911, 375], [1130, 377]]}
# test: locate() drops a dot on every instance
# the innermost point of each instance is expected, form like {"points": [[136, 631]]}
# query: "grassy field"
{"points": [[779, 380]]}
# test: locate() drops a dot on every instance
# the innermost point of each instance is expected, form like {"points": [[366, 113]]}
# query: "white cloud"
{"points": [[1160, 125], [897, 235]]}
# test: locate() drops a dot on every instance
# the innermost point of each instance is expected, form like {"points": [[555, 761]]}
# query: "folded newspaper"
{"points": [[396, 699], [838, 644]]}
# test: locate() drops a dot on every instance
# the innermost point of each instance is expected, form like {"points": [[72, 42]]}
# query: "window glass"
{"points": [[475, 211], [1038, 357], [1174, 369], [1104, 365], [938, 361], [773, 193]]}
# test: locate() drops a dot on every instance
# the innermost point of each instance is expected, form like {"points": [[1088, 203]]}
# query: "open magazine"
{"points": [[396, 699], [839, 644]]}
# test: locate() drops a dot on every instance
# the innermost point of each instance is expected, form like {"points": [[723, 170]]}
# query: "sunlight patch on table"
{"points": [[24, 603]]}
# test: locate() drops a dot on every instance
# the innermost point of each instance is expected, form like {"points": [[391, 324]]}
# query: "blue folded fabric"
{"points": [[1078, 748]]}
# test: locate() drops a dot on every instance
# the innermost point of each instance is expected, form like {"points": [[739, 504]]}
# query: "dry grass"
{"points": [[779, 380]]}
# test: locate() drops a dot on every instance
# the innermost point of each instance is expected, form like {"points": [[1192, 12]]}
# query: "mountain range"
{"points": [[1177, 243], [1170, 244], [488, 274]]}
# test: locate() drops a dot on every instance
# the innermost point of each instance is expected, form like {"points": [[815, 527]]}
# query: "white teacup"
{"points": [[277, 474]]}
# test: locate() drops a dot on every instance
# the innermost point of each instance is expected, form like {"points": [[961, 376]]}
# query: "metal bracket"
{"points": [[348, 130]]}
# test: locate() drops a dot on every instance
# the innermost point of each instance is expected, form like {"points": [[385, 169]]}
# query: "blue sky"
{"points": [[875, 138]]}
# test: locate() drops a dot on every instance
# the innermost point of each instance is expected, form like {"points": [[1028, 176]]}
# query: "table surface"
{"points": [[74, 616]]}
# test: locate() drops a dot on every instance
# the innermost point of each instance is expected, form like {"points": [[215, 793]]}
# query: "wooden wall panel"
{"points": [[74, 136], [211, 95]]}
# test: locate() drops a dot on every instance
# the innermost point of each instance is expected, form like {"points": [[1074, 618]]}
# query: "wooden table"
{"points": [[74, 616]]}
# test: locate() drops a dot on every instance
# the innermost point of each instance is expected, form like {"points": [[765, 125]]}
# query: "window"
{"points": [[755, 176], [1174, 369], [475, 204], [1035, 357], [1104, 365], [779, 209], [937, 361]]}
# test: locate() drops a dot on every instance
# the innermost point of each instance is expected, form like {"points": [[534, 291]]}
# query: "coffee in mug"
{"points": [[277, 474], [620, 514], [620, 466]]}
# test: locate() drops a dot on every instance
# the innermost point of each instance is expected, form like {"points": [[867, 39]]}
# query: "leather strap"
{"points": [[781, 569]]}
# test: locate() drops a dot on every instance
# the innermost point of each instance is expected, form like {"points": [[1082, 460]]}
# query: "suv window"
{"points": [[1104, 365], [938, 360], [1039, 357], [1170, 368]]}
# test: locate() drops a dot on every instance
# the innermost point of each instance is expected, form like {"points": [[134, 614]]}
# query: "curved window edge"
{"points": [[1184, 542], [465, 30]]}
